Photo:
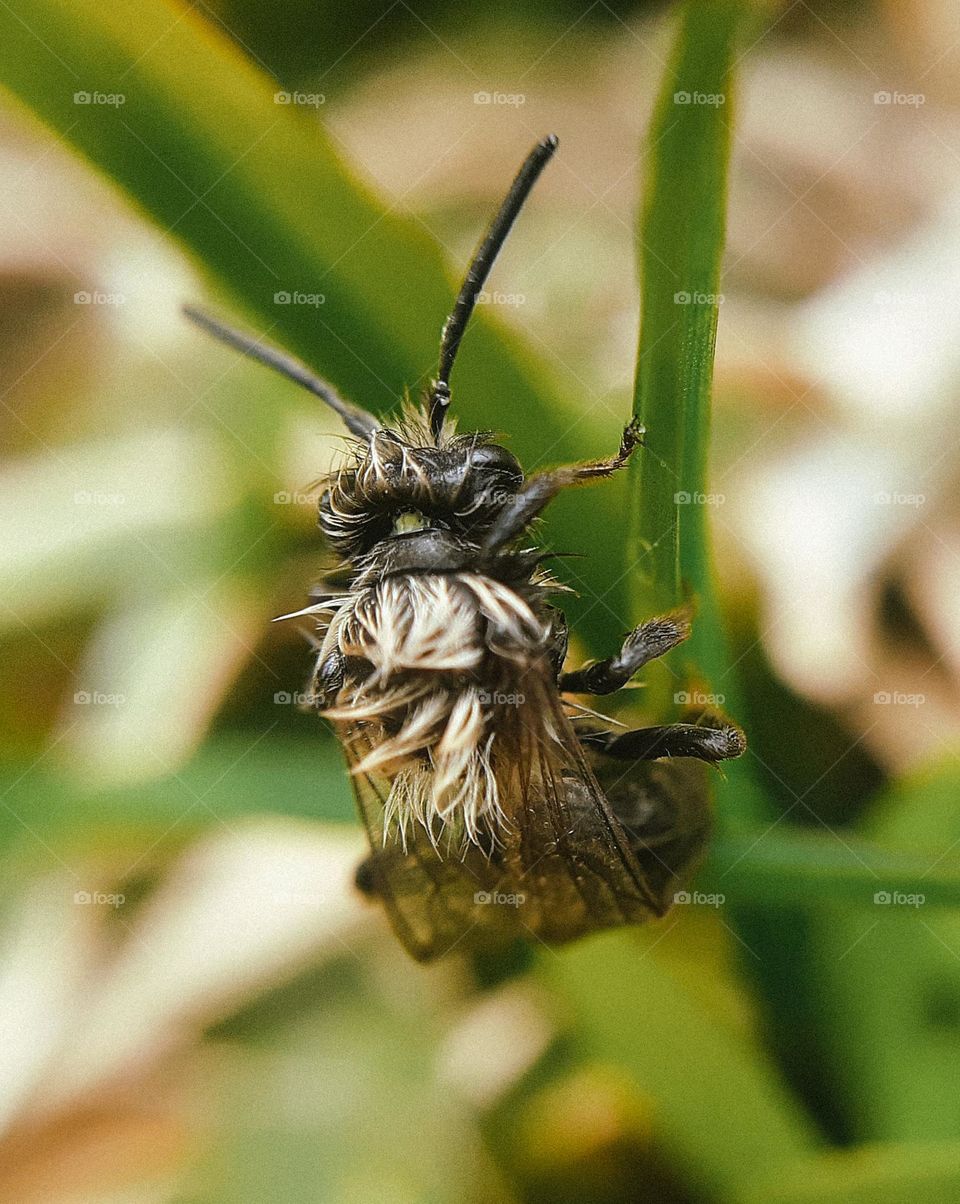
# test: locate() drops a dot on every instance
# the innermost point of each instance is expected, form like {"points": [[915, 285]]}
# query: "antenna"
{"points": [[478, 271], [358, 421]]}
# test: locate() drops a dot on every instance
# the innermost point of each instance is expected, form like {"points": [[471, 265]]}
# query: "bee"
{"points": [[497, 806]]}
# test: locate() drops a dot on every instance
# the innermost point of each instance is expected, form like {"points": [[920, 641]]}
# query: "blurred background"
{"points": [[195, 1006]]}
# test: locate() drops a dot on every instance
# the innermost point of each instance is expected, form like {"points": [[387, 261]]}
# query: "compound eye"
{"points": [[491, 457]]}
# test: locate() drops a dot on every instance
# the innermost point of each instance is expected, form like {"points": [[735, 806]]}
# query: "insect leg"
{"points": [[365, 877], [718, 743], [535, 494], [327, 679], [644, 644]]}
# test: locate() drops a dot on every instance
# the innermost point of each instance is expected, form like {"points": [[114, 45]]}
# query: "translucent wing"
{"points": [[434, 899], [560, 867]]}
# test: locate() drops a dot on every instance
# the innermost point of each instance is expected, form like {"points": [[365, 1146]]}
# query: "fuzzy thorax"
{"points": [[439, 707]]}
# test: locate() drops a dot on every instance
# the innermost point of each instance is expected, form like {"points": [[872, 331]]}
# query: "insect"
{"points": [[497, 806]]}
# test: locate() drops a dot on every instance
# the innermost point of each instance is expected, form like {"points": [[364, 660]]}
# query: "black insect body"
{"points": [[495, 806]]}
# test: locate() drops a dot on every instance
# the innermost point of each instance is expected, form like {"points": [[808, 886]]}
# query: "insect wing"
{"points": [[559, 868], [435, 900], [569, 848]]}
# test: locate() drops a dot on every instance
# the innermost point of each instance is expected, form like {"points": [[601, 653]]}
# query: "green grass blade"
{"points": [[680, 247], [44, 808], [792, 867], [681, 242]]}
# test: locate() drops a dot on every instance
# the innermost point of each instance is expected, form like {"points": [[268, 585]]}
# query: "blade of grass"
{"points": [[46, 808], [680, 247], [793, 868]]}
